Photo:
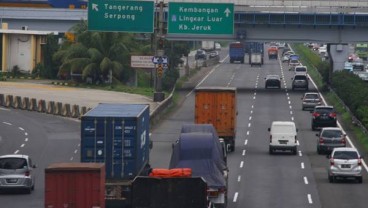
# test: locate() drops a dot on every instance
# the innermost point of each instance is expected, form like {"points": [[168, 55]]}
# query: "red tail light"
{"points": [[315, 114], [213, 193], [360, 162], [321, 141], [270, 138], [343, 141], [26, 173], [333, 115], [332, 161]]}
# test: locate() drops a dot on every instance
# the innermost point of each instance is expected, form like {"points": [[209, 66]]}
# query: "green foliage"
{"points": [[169, 80]]}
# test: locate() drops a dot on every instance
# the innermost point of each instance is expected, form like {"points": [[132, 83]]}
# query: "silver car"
{"points": [[330, 138], [16, 172], [345, 162], [311, 100]]}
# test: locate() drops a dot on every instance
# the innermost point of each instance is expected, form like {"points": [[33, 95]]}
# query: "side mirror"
{"points": [[269, 129], [317, 135]]}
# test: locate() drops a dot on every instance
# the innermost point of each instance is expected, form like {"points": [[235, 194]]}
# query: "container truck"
{"points": [[217, 106], [169, 192], [75, 185], [117, 135], [199, 152], [236, 52], [272, 52]]}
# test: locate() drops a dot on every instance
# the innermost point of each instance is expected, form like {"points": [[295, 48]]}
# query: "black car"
{"points": [[323, 116], [273, 81], [200, 54]]}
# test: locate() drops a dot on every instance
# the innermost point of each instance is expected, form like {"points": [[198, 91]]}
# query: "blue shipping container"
{"points": [[117, 135]]}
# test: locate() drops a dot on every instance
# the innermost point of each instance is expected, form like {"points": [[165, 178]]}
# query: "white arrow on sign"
{"points": [[227, 12], [94, 7]]}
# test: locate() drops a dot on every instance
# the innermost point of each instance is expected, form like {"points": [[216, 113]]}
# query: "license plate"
{"points": [[283, 141], [345, 166], [12, 180]]}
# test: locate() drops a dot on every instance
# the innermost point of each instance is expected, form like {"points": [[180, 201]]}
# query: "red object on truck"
{"points": [[75, 185], [272, 52], [169, 173]]}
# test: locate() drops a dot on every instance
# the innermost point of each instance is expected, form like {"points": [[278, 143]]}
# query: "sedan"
{"points": [[330, 138], [16, 172], [345, 162], [273, 81], [311, 100]]}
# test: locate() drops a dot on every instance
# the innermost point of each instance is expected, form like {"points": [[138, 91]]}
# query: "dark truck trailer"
{"points": [[198, 151], [236, 52], [175, 192], [117, 135]]}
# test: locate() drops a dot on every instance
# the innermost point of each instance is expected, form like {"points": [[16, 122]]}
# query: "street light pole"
{"points": [[159, 52]]}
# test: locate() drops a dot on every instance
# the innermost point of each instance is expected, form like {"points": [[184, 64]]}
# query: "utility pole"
{"points": [[159, 52]]}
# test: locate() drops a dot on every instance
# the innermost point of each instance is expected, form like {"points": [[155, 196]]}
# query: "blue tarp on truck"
{"points": [[197, 151], [117, 135]]}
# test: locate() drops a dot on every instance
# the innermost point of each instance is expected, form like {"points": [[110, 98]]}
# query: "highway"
{"points": [[257, 179]]}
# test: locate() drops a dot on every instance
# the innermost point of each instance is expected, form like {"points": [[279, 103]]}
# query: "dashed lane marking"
{"points": [[235, 197], [302, 165], [310, 199], [241, 164], [305, 180], [246, 142]]}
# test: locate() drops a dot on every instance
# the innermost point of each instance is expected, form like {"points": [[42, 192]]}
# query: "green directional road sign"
{"points": [[121, 15], [201, 18]]}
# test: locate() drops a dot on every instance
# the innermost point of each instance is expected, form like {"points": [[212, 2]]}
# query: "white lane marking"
{"points": [[241, 164], [247, 132], [251, 112], [297, 142], [21, 128], [22, 145], [287, 94], [254, 97], [78, 145], [300, 153], [71, 158], [16, 152], [305, 180], [26, 139], [75, 151], [7, 123], [252, 106], [255, 94], [289, 102], [25, 133], [239, 178], [302, 165], [250, 117], [249, 125], [231, 79], [246, 142], [288, 98], [243, 152], [235, 197], [214, 68], [310, 199], [291, 112], [292, 118], [290, 107]]}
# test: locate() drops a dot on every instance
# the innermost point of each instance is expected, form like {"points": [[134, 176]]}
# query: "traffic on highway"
{"points": [[286, 147]]}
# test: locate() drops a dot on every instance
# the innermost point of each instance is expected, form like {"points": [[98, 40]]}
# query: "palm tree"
{"points": [[95, 55]]}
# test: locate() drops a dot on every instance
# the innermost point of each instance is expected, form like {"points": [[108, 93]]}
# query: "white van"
{"points": [[300, 70], [283, 136]]}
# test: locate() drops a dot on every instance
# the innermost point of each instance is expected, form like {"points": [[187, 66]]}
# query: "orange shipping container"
{"points": [[217, 106], [75, 185]]}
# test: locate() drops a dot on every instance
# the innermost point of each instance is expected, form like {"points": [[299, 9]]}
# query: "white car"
{"points": [[16, 172], [345, 162]]}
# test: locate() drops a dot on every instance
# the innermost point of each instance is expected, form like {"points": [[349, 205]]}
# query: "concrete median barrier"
{"points": [[9, 101], [33, 105], [50, 107], [66, 111], [2, 100], [17, 102], [75, 111], [58, 108], [25, 103], [42, 106]]}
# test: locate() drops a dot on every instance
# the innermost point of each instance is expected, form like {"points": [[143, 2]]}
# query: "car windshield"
{"points": [[324, 110], [332, 133], [300, 69], [311, 96], [12, 163], [293, 61], [281, 129], [345, 155]]}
